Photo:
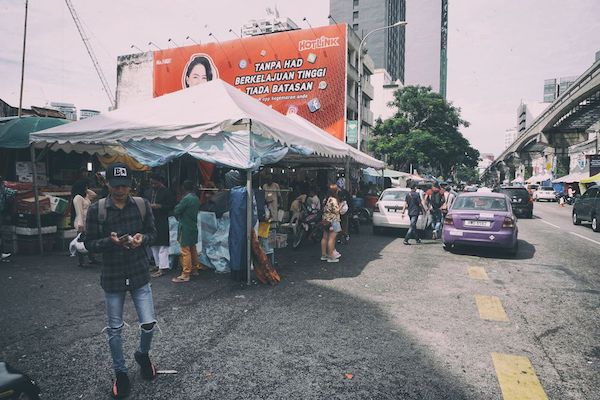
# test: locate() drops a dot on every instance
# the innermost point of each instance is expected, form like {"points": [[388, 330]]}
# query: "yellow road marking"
{"points": [[490, 308], [478, 273], [517, 378]]}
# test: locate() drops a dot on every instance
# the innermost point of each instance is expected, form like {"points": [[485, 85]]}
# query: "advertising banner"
{"points": [[594, 164], [301, 71], [352, 132]]}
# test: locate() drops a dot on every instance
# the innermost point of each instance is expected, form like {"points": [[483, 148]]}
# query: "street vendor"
{"points": [[272, 197]]}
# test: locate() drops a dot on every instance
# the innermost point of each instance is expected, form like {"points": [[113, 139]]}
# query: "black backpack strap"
{"points": [[101, 215], [141, 205]]}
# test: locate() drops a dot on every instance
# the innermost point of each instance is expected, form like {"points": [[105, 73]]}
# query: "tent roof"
{"points": [[170, 125], [389, 173], [324, 137], [14, 131]]}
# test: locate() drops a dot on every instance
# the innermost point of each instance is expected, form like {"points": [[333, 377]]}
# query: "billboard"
{"points": [[301, 71]]}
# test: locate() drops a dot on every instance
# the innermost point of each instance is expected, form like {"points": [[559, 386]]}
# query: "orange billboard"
{"points": [[301, 71]]}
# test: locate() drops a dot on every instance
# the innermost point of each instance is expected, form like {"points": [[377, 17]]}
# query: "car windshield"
{"points": [[484, 203], [550, 188], [391, 195]]}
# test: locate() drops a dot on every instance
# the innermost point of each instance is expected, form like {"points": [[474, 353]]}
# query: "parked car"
{"points": [[481, 219], [389, 211], [520, 200], [587, 208], [546, 193]]}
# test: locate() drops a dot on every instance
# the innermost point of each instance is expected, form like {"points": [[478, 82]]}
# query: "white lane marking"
{"points": [[583, 237], [546, 222]]}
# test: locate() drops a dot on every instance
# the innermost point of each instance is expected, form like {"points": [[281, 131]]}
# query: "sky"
{"points": [[499, 52]]}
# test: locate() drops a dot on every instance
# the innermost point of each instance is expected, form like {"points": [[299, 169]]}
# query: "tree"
{"points": [[424, 132]]}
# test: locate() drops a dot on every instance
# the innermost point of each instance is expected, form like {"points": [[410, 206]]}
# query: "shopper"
{"points": [[186, 211], [162, 202], [331, 225], [121, 227], [272, 197], [434, 200], [82, 199], [414, 206]]}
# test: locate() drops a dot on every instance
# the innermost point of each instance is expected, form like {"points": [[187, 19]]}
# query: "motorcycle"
{"points": [[309, 226], [354, 220], [16, 385]]}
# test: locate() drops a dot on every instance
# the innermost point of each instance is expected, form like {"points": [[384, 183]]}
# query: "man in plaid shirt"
{"points": [[120, 227]]}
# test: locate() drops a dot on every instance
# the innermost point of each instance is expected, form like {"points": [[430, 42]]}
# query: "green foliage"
{"points": [[424, 132], [466, 174]]}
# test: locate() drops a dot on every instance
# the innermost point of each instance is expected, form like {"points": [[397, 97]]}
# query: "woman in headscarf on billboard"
{"points": [[200, 69]]}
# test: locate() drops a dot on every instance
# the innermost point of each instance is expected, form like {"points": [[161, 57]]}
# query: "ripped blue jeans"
{"points": [[144, 305]]}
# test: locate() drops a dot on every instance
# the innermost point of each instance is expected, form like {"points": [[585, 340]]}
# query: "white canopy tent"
{"points": [[213, 122]]}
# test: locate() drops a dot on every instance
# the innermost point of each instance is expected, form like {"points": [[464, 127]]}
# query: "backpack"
{"points": [[437, 200], [102, 210]]}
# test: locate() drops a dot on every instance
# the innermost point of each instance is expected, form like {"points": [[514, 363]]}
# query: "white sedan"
{"points": [[389, 211], [545, 193]]}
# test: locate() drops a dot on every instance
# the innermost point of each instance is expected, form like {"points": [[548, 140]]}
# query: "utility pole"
{"points": [[23, 63], [444, 49]]}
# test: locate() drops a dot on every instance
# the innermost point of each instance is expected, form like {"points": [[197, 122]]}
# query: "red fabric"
{"points": [[206, 171]]}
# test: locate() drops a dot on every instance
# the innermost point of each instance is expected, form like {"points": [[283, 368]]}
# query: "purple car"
{"points": [[481, 219]]}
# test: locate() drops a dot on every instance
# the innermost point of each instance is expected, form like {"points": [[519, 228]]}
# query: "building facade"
{"points": [[86, 113], [425, 55], [554, 87], [268, 25], [527, 112], [510, 135], [383, 88], [385, 47], [68, 109]]}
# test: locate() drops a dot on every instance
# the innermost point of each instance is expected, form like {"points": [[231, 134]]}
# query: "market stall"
{"points": [[213, 122]]}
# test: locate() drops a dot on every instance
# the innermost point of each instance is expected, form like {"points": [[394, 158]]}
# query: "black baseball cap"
{"points": [[118, 174]]}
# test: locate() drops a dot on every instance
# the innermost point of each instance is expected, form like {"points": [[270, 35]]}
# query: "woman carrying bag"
{"points": [[82, 198], [331, 225]]}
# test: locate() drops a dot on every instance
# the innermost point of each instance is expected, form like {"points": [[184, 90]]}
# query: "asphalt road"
{"points": [[387, 322]]}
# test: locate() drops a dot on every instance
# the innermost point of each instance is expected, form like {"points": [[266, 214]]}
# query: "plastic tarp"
{"points": [[159, 129], [213, 246]]}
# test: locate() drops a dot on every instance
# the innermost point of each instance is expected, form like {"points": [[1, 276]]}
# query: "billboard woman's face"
{"points": [[197, 76]]}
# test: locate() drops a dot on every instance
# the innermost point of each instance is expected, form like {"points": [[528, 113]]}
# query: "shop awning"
{"points": [[591, 179], [389, 173], [214, 122], [540, 178], [572, 177], [14, 131]]}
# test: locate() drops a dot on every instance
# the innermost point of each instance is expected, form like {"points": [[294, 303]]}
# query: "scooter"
{"points": [[309, 226], [15, 385]]}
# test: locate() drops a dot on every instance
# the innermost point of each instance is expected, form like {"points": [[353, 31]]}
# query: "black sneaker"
{"points": [[121, 386], [406, 243], [418, 240], [147, 369]]}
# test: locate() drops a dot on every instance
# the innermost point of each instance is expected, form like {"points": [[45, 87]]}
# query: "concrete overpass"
{"points": [[562, 124]]}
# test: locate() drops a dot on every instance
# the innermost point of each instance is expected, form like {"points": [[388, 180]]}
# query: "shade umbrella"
{"points": [[14, 132]]}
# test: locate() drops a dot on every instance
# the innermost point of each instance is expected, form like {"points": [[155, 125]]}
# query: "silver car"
{"points": [[389, 211]]}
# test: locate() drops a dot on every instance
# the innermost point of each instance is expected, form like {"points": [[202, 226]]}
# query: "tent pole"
{"points": [[38, 217], [347, 174], [248, 223], [249, 207]]}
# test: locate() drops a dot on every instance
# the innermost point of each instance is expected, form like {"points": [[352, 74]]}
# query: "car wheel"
{"points": [[576, 220], [595, 225], [447, 247]]}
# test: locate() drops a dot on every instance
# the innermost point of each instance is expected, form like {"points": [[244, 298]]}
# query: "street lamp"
{"points": [[359, 123]]}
